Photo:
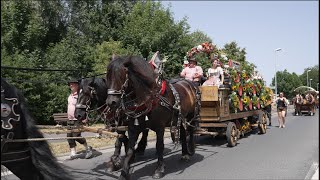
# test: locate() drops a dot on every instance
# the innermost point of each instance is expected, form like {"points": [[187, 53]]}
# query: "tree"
{"points": [[232, 51], [104, 51], [150, 28], [198, 37], [312, 74], [287, 82]]}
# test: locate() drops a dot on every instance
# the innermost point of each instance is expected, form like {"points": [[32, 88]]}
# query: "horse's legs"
{"points": [[133, 136], [185, 155], [25, 170], [115, 160], [143, 143], [159, 172]]}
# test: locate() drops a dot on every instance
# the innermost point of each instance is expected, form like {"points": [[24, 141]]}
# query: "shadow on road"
{"points": [[221, 141], [144, 166]]}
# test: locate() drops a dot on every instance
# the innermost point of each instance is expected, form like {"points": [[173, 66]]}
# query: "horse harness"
{"points": [[103, 109], [8, 115], [146, 107]]}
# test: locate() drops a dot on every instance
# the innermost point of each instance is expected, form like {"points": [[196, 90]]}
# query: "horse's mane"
{"points": [[141, 75], [41, 154]]}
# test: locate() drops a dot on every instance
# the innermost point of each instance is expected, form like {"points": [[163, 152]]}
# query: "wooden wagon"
{"points": [[216, 119]]}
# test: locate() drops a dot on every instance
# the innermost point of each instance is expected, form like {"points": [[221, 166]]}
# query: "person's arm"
{"points": [[199, 72], [286, 101], [183, 73]]}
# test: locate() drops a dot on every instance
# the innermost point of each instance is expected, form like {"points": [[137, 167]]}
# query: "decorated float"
{"points": [[237, 106]]}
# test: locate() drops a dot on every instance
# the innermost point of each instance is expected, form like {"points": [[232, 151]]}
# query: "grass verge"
{"points": [[62, 148]]}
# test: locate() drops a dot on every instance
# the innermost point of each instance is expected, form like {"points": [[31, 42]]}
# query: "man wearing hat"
{"points": [[185, 64], [192, 72], [72, 101]]}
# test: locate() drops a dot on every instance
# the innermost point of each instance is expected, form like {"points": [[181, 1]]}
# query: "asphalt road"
{"points": [[287, 153]]}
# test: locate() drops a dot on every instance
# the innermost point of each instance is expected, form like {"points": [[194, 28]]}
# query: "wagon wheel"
{"points": [[262, 124], [232, 134]]}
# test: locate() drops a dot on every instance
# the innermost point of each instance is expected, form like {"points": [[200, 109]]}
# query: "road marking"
{"points": [[313, 172]]}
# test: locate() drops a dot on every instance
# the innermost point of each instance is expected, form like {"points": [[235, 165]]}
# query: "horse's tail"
{"points": [[41, 154]]}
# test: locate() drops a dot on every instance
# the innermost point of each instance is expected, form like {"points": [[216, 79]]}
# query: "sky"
{"points": [[260, 27]]}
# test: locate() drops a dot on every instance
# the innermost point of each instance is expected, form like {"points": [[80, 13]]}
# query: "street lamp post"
{"points": [[308, 78], [275, 69], [310, 82]]}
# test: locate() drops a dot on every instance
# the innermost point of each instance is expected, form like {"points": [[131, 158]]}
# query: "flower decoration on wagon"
{"points": [[205, 47], [244, 75], [235, 101], [246, 101], [259, 85], [249, 87], [255, 102], [263, 99], [235, 86], [234, 75]]}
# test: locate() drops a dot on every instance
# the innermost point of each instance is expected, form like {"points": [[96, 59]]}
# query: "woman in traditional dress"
{"points": [[214, 75]]}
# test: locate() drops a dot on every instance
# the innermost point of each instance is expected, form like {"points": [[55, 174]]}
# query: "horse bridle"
{"points": [[104, 112], [8, 114], [130, 113]]}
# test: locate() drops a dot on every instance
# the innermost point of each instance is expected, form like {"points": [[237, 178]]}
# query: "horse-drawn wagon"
{"points": [[217, 119], [305, 100]]}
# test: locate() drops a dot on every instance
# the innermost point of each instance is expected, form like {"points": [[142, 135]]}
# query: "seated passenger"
{"points": [[192, 72], [214, 74]]}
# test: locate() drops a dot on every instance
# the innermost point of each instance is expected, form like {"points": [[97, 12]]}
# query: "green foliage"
{"points": [[233, 52], [103, 54], [287, 82], [312, 74], [198, 37]]}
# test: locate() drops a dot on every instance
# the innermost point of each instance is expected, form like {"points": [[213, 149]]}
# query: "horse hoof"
{"points": [[159, 172], [158, 175], [110, 166], [185, 158]]}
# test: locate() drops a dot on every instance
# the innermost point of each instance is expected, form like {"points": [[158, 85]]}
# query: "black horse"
{"points": [[27, 160], [133, 88], [92, 95]]}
